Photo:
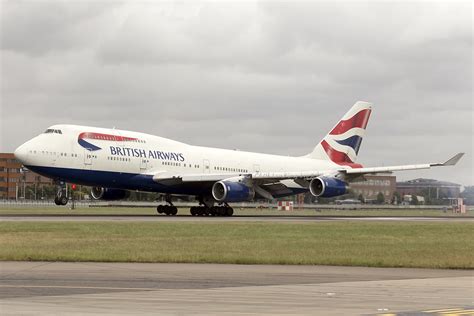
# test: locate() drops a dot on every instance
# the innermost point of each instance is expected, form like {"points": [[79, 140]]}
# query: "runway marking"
{"points": [[442, 310], [451, 311], [81, 287]]}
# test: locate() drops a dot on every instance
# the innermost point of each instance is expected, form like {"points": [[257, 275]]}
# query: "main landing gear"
{"points": [[212, 211], [206, 208], [167, 209], [61, 197]]}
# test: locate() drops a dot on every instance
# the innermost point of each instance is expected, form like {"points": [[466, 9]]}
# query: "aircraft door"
{"points": [[206, 166], [54, 158], [256, 168], [87, 158], [143, 164]]}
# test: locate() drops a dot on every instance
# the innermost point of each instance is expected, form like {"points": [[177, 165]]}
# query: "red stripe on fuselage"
{"points": [[359, 120], [101, 136]]}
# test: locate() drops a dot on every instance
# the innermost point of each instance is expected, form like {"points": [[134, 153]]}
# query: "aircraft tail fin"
{"points": [[341, 145]]}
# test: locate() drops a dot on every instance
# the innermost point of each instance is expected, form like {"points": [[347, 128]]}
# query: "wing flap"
{"points": [[169, 177]]}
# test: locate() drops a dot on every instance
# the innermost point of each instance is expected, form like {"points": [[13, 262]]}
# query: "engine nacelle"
{"points": [[327, 187], [100, 193], [232, 191]]}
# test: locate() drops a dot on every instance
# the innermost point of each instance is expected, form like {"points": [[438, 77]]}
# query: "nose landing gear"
{"points": [[61, 197]]}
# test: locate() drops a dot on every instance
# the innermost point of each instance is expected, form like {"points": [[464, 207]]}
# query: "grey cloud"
{"points": [[262, 76], [40, 27]]}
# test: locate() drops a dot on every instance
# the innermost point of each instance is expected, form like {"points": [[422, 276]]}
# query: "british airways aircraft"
{"points": [[114, 162]]}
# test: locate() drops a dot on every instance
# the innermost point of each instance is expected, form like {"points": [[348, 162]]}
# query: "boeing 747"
{"points": [[114, 162]]}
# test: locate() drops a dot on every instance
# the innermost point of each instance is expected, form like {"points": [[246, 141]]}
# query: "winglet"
{"points": [[452, 161]]}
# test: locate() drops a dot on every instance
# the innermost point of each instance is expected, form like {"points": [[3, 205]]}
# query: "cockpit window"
{"points": [[55, 131]]}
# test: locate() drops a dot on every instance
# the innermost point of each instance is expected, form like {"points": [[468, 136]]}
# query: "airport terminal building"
{"points": [[431, 188], [385, 184]]}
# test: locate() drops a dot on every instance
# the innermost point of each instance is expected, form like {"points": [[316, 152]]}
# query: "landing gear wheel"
{"points": [[201, 211], [167, 209], [159, 209], [221, 211], [61, 197], [63, 200], [173, 210], [212, 211]]}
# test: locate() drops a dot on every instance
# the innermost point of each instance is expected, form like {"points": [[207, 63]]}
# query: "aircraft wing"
{"points": [[163, 176], [269, 184], [450, 162], [354, 171]]}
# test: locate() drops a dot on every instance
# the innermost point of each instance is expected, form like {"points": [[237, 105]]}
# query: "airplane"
{"points": [[114, 162]]}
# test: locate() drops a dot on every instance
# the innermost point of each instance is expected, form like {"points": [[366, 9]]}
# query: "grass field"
{"points": [[58, 210], [375, 244]]}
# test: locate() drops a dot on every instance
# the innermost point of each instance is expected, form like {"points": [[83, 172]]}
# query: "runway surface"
{"points": [[239, 218], [32, 288]]}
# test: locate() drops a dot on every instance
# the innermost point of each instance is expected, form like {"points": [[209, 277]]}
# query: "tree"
{"points": [[380, 198], [414, 200], [468, 195], [396, 199], [361, 198]]}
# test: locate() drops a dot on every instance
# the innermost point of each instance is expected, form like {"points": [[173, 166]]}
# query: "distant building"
{"points": [[9, 175], [433, 189], [369, 189], [14, 178]]}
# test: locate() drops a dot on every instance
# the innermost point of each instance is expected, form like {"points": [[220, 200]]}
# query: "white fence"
{"points": [[89, 203]]}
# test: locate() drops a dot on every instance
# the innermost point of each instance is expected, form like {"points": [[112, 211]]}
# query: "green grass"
{"points": [[61, 210], [375, 244]]}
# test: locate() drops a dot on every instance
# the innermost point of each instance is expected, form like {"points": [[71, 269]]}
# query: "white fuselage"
{"points": [[62, 153]]}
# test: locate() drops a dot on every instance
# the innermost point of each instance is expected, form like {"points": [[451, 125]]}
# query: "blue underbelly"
{"points": [[118, 180]]}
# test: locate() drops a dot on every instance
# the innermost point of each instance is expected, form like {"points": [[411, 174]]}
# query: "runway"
{"points": [[32, 288], [238, 218]]}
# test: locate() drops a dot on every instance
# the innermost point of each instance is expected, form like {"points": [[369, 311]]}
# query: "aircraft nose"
{"points": [[21, 153]]}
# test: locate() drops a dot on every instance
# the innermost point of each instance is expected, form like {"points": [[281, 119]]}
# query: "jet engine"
{"points": [[107, 194], [327, 187], [232, 190]]}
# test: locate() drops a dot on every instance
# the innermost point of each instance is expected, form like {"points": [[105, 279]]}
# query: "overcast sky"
{"points": [[268, 76]]}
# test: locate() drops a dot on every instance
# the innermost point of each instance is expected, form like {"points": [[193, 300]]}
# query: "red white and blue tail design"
{"points": [[341, 145]]}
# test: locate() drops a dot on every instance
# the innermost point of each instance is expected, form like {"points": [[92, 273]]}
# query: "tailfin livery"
{"points": [[341, 145]]}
